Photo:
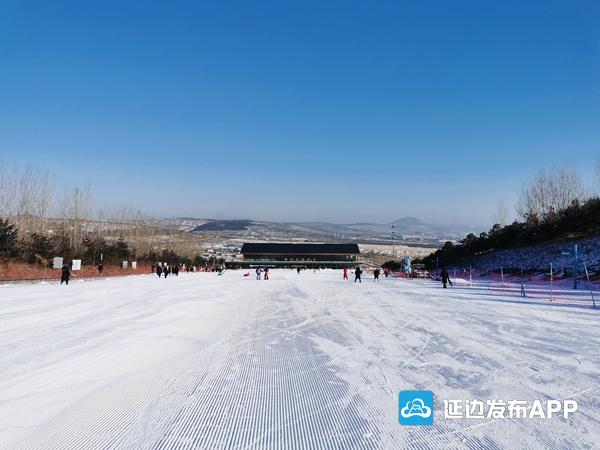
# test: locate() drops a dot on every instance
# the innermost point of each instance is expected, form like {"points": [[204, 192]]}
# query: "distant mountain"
{"points": [[370, 230], [223, 225], [405, 227], [406, 222]]}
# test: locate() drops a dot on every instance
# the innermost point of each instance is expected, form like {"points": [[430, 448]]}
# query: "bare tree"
{"points": [[8, 190], [76, 211], [28, 196], [501, 213], [550, 192], [25, 196], [43, 198]]}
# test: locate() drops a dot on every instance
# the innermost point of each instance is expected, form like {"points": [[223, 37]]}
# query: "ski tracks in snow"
{"points": [[301, 362]]}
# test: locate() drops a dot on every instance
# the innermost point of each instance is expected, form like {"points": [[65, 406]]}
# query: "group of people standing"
{"points": [[260, 271], [357, 274], [166, 270]]}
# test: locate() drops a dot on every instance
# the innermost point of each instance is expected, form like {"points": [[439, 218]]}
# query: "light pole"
{"points": [[393, 242], [574, 253], [574, 266]]}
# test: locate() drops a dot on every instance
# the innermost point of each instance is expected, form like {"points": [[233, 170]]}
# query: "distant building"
{"points": [[298, 255]]}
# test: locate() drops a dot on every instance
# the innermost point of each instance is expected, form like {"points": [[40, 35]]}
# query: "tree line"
{"points": [[40, 249], [39, 220], [554, 205]]}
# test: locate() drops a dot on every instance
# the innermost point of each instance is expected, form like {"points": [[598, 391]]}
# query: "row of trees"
{"points": [[40, 249], [554, 205], [40, 221]]}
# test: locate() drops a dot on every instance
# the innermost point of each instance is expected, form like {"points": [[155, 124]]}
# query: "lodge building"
{"points": [[302, 255]]}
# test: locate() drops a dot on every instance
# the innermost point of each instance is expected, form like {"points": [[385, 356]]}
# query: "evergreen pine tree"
{"points": [[8, 238]]}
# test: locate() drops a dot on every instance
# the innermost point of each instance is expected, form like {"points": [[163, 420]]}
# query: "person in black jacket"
{"points": [[445, 277], [357, 274], [65, 275], [376, 275], [159, 270]]}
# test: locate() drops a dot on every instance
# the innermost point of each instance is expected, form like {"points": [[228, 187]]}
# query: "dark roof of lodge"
{"points": [[299, 249]]}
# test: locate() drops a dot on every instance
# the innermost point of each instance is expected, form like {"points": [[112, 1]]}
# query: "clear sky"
{"points": [[336, 111]]}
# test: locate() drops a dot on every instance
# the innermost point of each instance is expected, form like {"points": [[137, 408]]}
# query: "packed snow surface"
{"points": [[305, 360]]}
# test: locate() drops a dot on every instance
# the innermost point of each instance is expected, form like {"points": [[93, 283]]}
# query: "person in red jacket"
{"points": [[345, 273]]}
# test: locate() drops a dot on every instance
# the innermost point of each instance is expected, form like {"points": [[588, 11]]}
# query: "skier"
{"points": [[65, 275], [258, 272], [100, 268], [407, 266], [158, 270], [445, 277], [166, 270], [357, 274], [266, 273], [176, 270], [376, 275], [345, 273], [298, 269]]}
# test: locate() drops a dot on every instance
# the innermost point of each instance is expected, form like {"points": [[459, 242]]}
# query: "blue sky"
{"points": [[336, 111]]}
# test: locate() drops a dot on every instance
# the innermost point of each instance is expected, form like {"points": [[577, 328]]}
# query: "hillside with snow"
{"points": [[538, 258]]}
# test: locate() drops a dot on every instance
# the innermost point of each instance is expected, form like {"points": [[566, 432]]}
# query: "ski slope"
{"points": [[301, 361]]}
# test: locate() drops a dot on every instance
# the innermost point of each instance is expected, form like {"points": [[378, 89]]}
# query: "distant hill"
{"points": [[405, 226], [223, 225], [406, 222], [411, 226]]}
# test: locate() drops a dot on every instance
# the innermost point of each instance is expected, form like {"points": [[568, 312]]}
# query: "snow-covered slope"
{"points": [[538, 258], [299, 361]]}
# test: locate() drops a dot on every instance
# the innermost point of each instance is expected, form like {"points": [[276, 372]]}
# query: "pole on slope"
{"points": [[587, 275], [522, 286], [437, 266], [574, 266], [393, 242], [551, 285], [470, 277], [502, 277]]}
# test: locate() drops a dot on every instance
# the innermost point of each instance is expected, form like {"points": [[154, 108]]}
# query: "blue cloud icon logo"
{"points": [[415, 407]]}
